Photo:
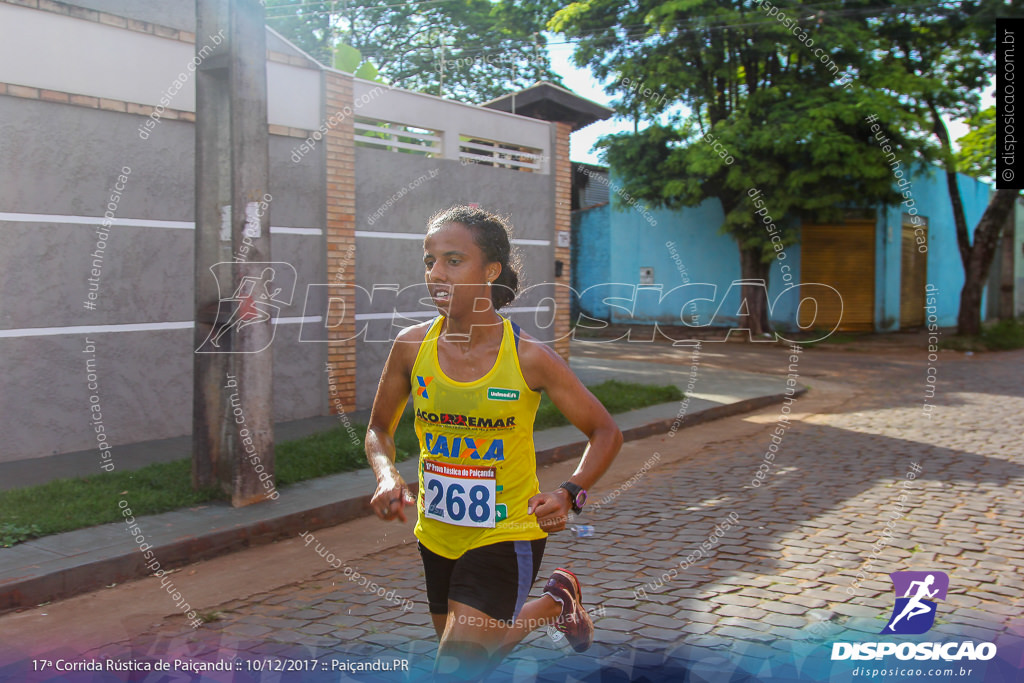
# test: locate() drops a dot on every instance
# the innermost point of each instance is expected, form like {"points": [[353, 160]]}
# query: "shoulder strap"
{"points": [[429, 338], [516, 330]]}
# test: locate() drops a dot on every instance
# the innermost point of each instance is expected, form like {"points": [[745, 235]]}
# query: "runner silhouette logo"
{"points": [[249, 293], [914, 612]]}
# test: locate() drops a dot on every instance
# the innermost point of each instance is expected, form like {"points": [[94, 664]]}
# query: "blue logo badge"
{"points": [[914, 612]]}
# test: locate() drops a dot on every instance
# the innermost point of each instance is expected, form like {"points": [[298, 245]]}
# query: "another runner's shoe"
{"points": [[574, 622]]}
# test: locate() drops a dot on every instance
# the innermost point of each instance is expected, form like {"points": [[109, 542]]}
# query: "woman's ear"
{"points": [[493, 271]]}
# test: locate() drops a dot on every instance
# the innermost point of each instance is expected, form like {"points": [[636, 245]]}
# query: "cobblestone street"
{"points": [[698, 563]]}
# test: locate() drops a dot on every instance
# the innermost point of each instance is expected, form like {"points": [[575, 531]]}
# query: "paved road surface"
{"points": [[696, 563]]}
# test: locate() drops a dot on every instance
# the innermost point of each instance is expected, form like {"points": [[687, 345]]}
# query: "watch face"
{"points": [[581, 499]]}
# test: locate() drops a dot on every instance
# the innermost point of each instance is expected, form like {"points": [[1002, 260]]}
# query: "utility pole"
{"points": [[232, 420]]}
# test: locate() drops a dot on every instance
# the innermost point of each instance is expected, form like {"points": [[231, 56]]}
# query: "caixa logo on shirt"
{"points": [[914, 614], [464, 447]]}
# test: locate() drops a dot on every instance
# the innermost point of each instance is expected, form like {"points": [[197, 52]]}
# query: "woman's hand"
{"points": [[390, 498], [552, 510]]}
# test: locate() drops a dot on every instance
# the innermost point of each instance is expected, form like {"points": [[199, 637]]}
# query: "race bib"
{"points": [[462, 495]]}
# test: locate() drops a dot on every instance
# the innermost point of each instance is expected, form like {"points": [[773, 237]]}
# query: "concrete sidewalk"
{"points": [[71, 563]]}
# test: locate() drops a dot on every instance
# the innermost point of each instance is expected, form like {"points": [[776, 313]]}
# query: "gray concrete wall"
{"points": [[68, 159], [398, 263], [62, 162]]}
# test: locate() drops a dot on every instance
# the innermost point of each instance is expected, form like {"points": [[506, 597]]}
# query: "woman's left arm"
{"points": [[543, 369]]}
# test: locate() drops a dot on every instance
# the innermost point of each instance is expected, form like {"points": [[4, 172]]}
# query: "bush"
{"points": [[12, 533], [1004, 335]]}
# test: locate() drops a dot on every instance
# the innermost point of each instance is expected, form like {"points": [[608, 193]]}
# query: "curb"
{"points": [[120, 566]]}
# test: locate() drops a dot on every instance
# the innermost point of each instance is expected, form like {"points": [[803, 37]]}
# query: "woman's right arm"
{"points": [[392, 495]]}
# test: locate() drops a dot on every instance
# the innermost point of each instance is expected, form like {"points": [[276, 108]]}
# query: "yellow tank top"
{"points": [[478, 465]]}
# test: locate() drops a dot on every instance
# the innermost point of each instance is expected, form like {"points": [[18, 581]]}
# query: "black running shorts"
{"points": [[494, 579]]}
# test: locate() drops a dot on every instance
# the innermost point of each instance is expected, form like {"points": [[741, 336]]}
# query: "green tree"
{"points": [[754, 86], [471, 50], [939, 63], [976, 157], [977, 154], [307, 24]]}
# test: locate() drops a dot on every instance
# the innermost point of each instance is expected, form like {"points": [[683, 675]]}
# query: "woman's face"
{"points": [[457, 272]]}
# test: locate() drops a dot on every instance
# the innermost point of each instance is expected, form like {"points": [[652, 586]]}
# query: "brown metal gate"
{"points": [[843, 256]]}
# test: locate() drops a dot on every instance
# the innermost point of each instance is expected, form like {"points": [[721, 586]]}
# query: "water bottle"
{"points": [[583, 531]]}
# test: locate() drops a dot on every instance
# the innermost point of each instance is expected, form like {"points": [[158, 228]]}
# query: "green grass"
{"points": [[68, 504], [1003, 335]]}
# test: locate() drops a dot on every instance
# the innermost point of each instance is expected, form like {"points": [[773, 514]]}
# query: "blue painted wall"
{"points": [[686, 246], [591, 255], [930, 197]]}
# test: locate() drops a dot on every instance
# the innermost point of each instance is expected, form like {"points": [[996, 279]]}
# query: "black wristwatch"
{"points": [[577, 496]]}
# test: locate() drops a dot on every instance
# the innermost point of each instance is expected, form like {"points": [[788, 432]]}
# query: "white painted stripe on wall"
{"points": [[297, 320], [94, 220], [131, 223], [188, 324], [419, 236], [94, 329], [296, 231], [188, 225], [526, 309], [431, 314], [131, 327], [390, 235]]}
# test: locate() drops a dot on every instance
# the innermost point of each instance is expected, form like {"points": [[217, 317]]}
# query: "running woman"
{"points": [[482, 520]]}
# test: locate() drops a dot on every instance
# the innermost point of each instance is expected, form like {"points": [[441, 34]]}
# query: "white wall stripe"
{"points": [[296, 231], [390, 235], [131, 223], [526, 309], [188, 225], [94, 220], [297, 320], [418, 236], [188, 324], [431, 314], [94, 329], [131, 327]]}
